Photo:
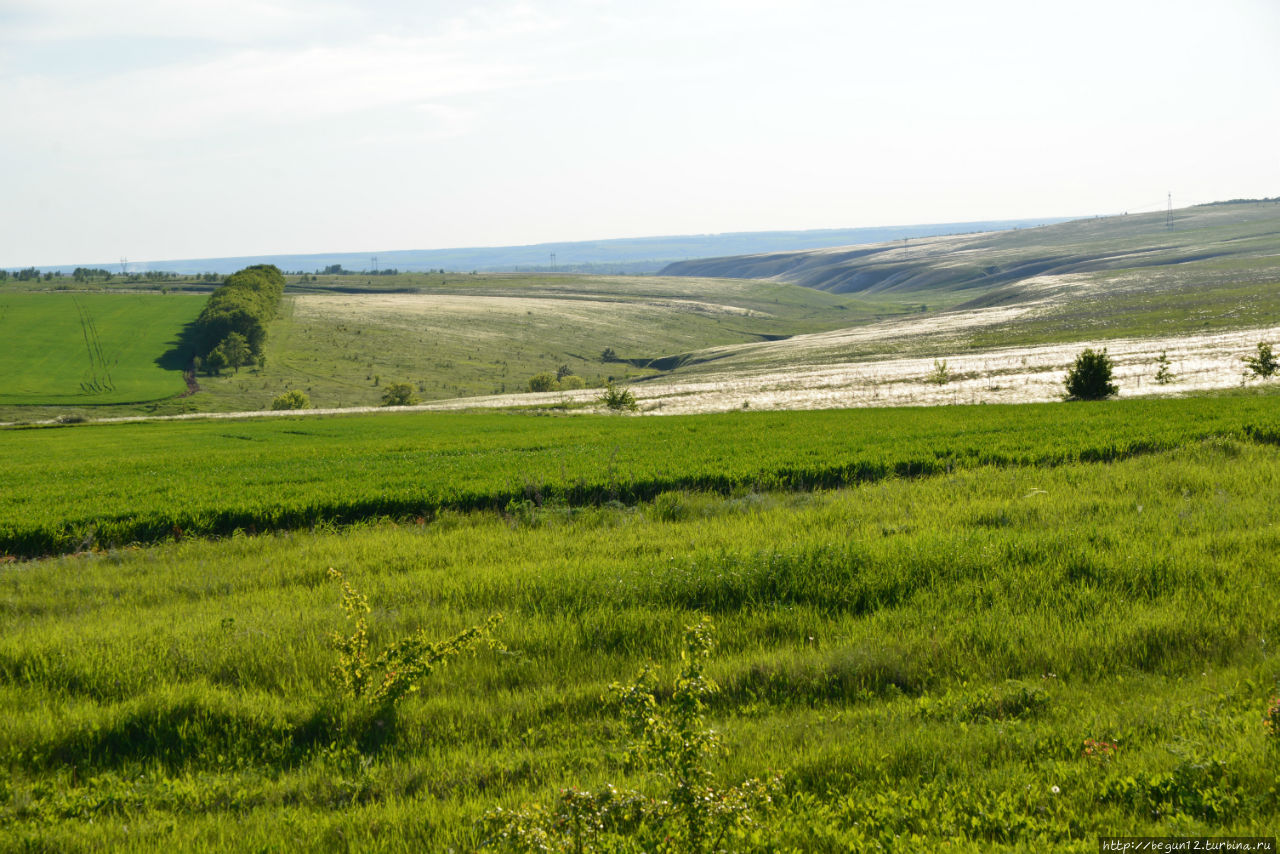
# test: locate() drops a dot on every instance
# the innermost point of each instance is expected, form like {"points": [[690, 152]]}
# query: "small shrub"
{"points": [[395, 672], [1263, 364], [940, 375], [398, 394], [1090, 377], [1164, 376], [545, 381], [296, 399], [608, 355], [618, 399], [671, 739]]}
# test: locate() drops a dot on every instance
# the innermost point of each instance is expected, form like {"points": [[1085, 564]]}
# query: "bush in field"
{"points": [[671, 739], [568, 382], [380, 680], [296, 399], [545, 381], [1264, 363], [940, 375], [618, 399], [398, 394], [1090, 377]]}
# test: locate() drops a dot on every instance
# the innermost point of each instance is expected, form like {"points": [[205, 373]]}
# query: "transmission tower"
{"points": [[375, 265], [1168, 216], [124, 266], [553, 261]]}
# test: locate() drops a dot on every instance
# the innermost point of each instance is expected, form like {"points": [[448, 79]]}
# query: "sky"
{"points": [[154, 129]]}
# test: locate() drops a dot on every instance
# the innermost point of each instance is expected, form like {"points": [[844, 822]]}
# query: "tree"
{"points": [[398, 394], [1164, 376], [215, 362], [235, 350], [1264, 364], [1090, 377]]}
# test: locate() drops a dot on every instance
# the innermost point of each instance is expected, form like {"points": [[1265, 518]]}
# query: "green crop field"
{"points": [[65, 488], [82, 349], [1063, 627]]}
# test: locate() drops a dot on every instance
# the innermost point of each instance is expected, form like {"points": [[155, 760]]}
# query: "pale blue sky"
{"points": [[156, 129]]}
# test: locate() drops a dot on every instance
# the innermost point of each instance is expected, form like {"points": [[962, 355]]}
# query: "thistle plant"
{"points": [[383, 679]]}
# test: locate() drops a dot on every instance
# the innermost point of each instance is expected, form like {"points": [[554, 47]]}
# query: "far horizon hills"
{"points": [[627, 255]]}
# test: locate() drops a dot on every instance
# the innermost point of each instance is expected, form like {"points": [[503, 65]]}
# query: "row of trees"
{"points": [[232, 328]]}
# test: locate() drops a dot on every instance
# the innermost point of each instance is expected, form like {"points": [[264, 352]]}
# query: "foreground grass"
{"points": [[923, 660]]}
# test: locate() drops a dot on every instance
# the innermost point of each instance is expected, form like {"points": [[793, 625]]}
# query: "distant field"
{"points": [[342, 339], [79, 349]]}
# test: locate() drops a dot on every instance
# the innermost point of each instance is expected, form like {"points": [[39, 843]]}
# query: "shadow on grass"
{"points": [[181, 350]]}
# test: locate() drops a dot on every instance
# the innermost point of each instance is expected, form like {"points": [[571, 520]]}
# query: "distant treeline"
{"points": [[1273, 200], [243, 305]]}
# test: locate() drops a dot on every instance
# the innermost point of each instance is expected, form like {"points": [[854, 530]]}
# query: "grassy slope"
{"points": [[461, 335], [1216, 269], [177, 696], [90, 349]]}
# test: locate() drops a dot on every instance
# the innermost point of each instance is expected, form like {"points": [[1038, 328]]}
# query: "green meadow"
{"points": [[91, 349], [68, 488], [1018, 654]]}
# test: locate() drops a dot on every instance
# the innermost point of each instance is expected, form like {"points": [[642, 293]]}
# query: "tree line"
{"points": [[232, 327]]}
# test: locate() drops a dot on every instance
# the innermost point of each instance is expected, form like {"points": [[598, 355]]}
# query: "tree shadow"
{"points": [[181, 350]]}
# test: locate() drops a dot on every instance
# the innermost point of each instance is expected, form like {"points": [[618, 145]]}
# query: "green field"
{"points": [[924, 660], [84, 349], [68, 488]]}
